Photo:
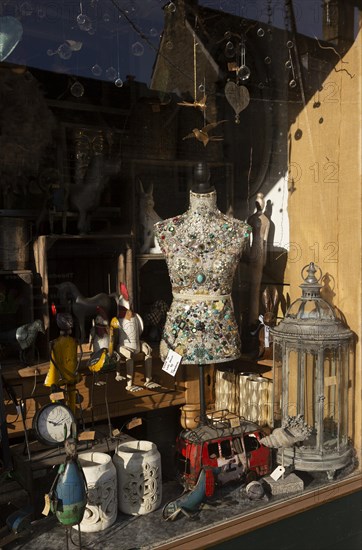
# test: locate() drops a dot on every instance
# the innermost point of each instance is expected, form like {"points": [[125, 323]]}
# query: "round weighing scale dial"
{"points": [[50, 421]]}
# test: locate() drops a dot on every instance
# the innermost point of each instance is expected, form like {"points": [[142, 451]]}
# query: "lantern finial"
{"points": [[310, 287]]}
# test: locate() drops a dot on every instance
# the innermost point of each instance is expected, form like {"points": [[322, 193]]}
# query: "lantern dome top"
{"points": [[311, 317]]}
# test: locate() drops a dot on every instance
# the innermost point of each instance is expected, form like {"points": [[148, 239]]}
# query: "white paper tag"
{"points": [[172, 362], [277, 473], [266, 336]]}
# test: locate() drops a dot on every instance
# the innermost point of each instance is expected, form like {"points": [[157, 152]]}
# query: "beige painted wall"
{"points": [[325, 210]]}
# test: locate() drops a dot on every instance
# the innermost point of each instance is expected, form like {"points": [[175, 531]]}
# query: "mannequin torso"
{"points": [[202, 249]]}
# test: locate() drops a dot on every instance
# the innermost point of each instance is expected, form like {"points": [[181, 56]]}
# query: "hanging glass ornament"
{"points": [[74, 45], [170, 7], [229, 49], [11, 32], [97, 70], [118, 82], [260, 32], [84, 22], [243, 72], [137, 49], [77, 89], [153, 32], [64, 51], [26, 8], [106, 17], [267, 60], [201, 87], [289, 65], [111, 73], [81, 19]]}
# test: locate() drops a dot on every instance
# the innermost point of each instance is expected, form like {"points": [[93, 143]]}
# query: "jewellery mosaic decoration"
{"points": [[202, 249]]}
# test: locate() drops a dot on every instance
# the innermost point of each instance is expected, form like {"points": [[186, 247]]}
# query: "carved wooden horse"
{"points": [[85, 309]]}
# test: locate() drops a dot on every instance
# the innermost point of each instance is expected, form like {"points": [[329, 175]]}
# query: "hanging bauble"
{"points": [[11, 32], [238, 97], [77, 89], [243, 72]]}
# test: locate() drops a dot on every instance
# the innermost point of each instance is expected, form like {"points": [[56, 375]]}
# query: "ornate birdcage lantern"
{"points": [[313, 351]]}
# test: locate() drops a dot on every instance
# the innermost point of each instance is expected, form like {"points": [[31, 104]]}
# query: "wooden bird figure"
{"points": [[106, 359], [203, 134], [197, 104]]}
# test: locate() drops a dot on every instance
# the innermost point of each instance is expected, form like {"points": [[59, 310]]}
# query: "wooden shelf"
{"points": [[28, 385]]}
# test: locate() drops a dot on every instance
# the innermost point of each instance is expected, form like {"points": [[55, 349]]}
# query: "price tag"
{"points": [[277, 473], [266, 336], [86, 436], [172, 362], [46, 508], [133, 423], [234, 422], [57, 396], [115, 432]]}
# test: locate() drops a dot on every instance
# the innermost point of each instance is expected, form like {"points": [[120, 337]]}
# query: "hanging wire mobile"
{"points": [[201, 134]]}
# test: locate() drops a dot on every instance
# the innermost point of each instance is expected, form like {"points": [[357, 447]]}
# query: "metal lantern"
{"points": [[313, 349]]}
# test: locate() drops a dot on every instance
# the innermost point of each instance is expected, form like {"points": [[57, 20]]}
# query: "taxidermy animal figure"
{"points": [[148, 218], [85, 197], [22, 338], [85, 309]]}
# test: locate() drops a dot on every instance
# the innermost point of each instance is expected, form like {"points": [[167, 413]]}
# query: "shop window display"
{"points": [[108, 111]]}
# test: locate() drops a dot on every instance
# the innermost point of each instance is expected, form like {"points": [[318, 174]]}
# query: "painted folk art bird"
{"points": [[203, 133]]}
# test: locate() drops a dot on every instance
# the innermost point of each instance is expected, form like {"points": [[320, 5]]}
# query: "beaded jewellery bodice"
{"points": [[202, 249]]}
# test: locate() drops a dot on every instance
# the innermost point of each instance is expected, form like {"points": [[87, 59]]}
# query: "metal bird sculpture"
{"points": [[203, 133], [197, 104], [23, 337]]}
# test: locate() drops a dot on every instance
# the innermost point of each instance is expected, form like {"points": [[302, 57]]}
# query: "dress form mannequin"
{"points": [[202, 248], [260, 228]]}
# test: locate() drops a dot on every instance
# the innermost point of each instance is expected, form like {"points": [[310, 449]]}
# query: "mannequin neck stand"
{"points": [[201, 179]]}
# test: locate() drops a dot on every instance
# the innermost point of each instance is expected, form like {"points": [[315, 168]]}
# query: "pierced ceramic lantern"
{"points": [[313, 349]]}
